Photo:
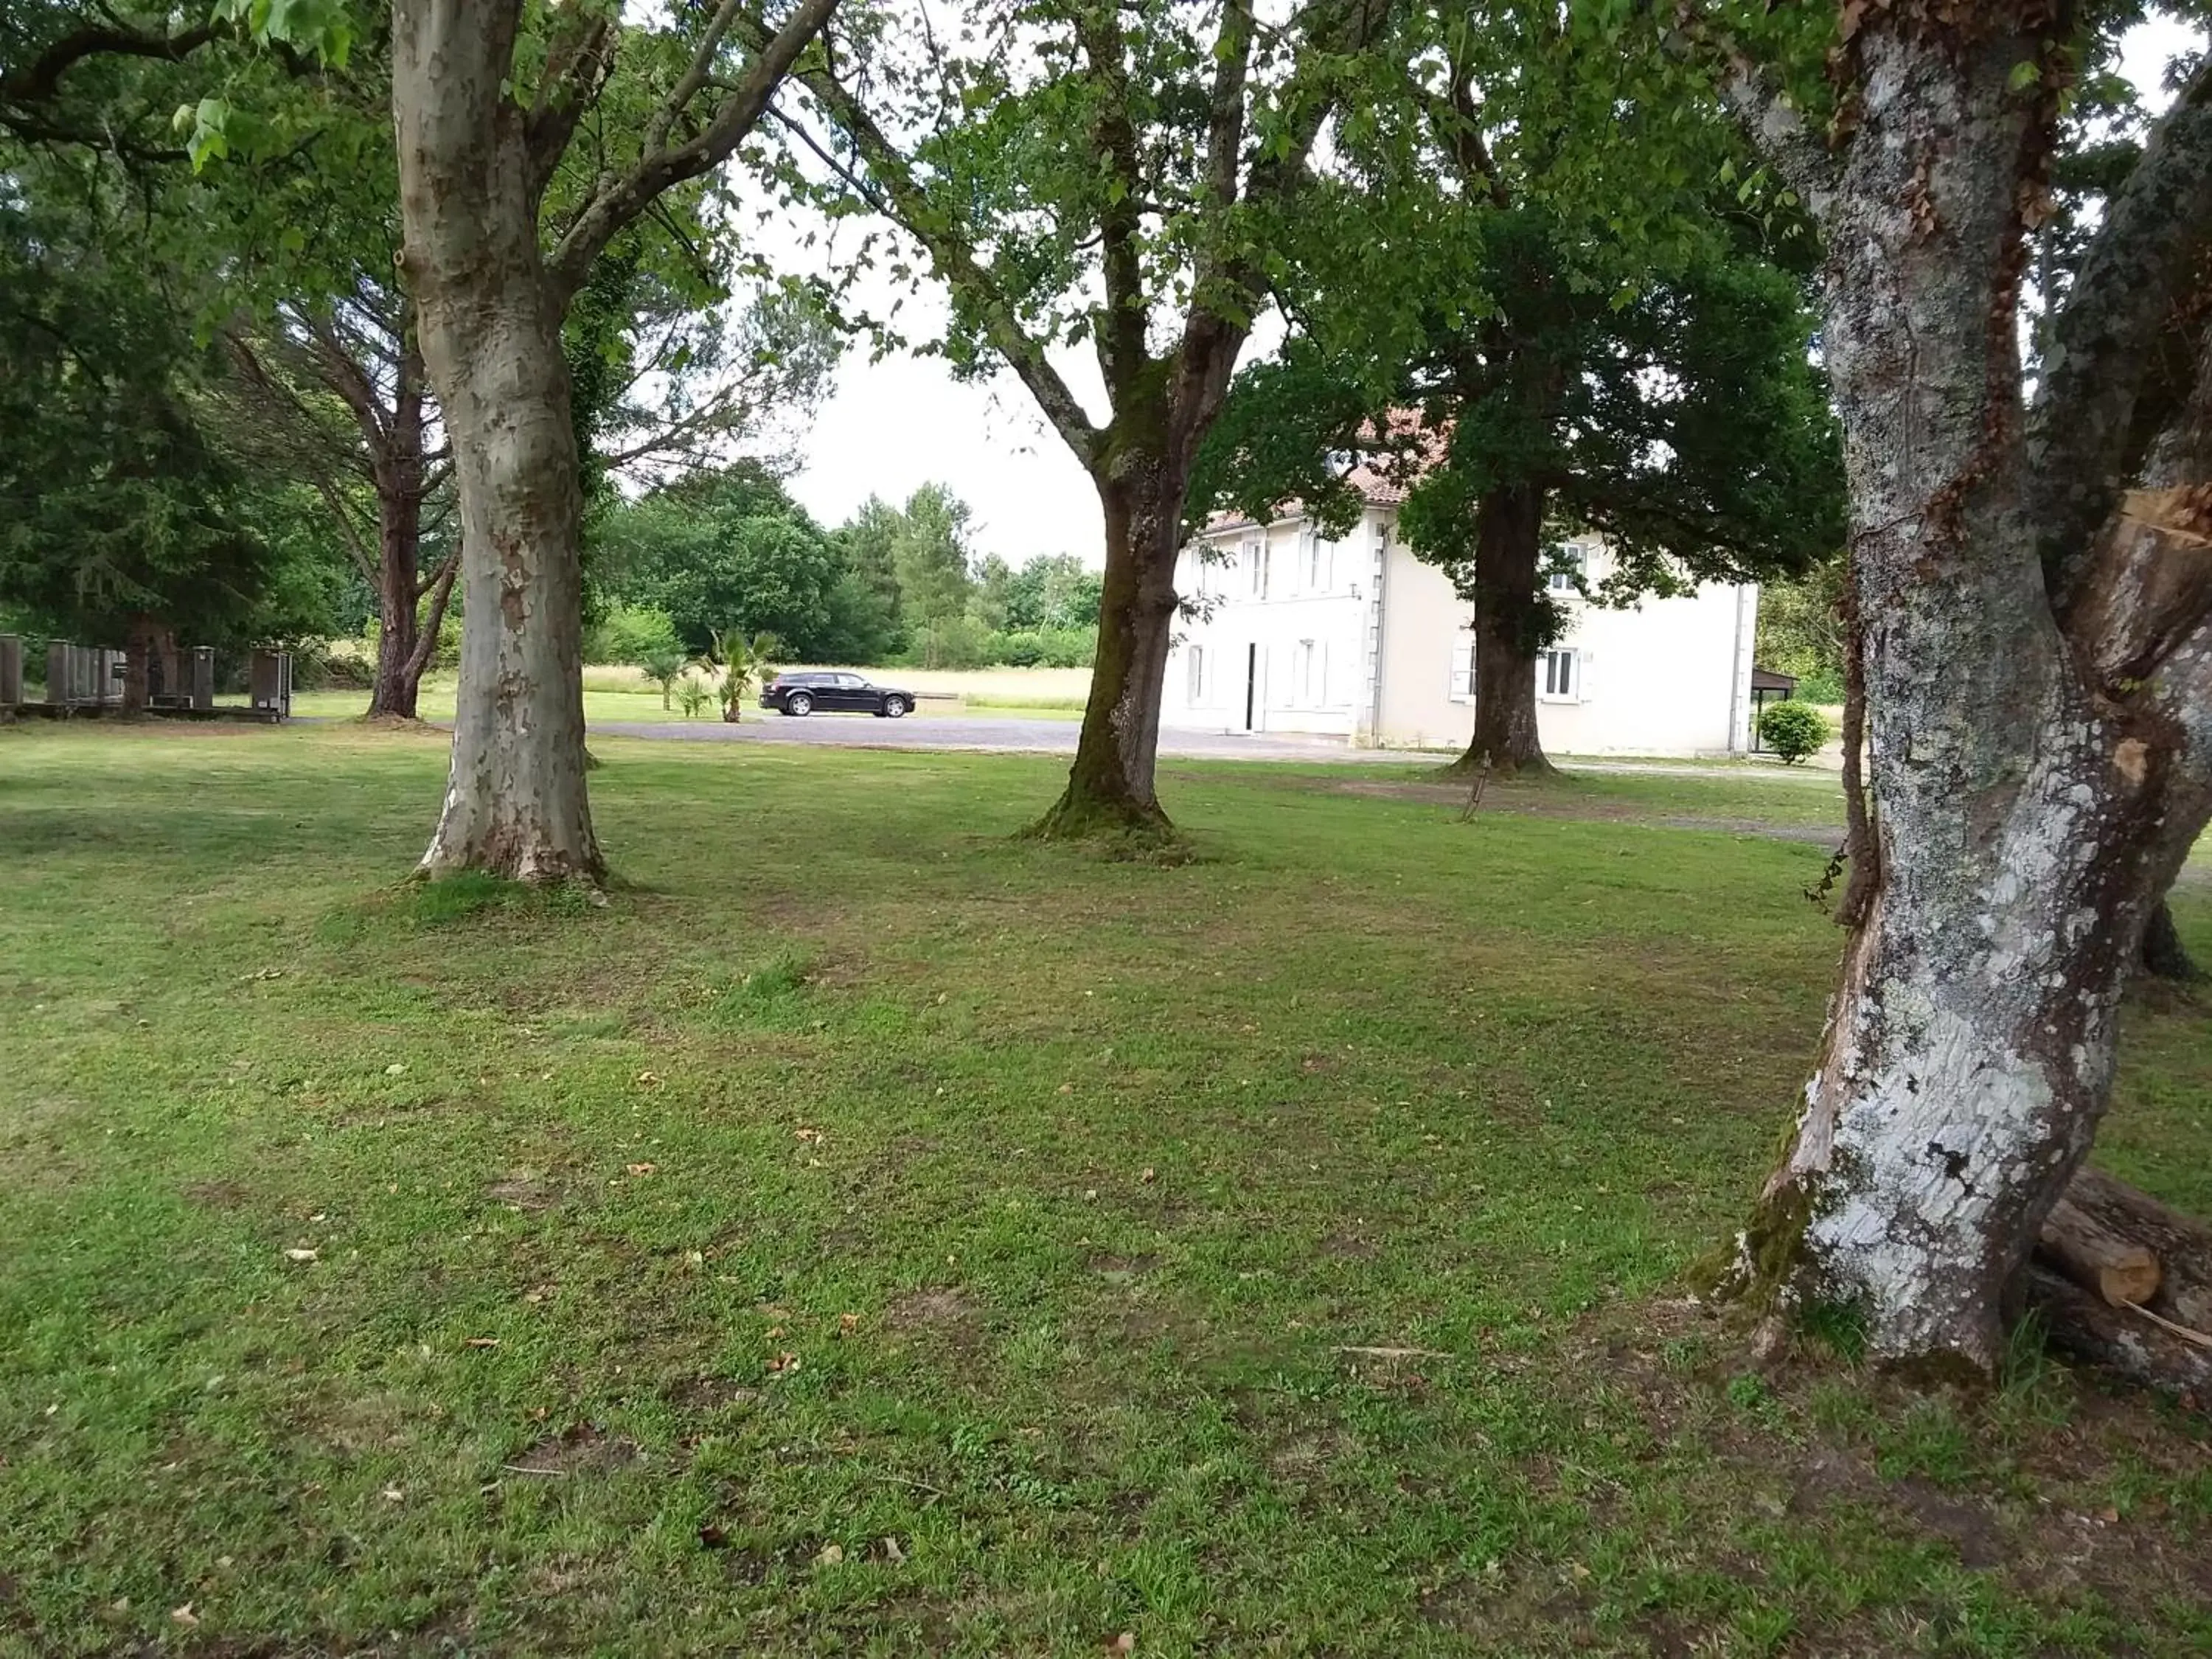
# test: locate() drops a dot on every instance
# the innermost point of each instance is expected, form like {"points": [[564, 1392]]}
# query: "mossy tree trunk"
{"points": [[1110, 788], [2037, 615]]}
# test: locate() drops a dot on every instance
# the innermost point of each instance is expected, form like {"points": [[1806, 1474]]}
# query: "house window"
{"points": [[1256, 569], [1316, 563], [1197, 674], [1569, 567], [1562, 679]]}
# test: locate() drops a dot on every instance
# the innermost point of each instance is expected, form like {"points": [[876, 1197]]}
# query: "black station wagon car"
{"points": [[834, 691]]}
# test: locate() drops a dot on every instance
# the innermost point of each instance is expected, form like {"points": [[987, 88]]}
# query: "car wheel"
{"points": [[894, 706], [799, 703]]}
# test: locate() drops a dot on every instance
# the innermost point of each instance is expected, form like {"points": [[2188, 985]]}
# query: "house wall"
{"points": [[1289, 623], [1376, 645]]}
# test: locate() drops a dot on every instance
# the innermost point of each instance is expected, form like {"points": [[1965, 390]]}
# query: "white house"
{"points": [[1355, 637]]}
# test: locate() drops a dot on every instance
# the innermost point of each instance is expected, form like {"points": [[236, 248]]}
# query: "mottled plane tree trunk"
{"points": [[491, 285], [2032, 585]]}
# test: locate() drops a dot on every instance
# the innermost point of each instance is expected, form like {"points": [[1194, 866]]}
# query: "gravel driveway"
{"points": [[1005, 735]]}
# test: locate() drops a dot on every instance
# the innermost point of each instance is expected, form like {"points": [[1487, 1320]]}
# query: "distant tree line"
{"points": [[731, 549]]}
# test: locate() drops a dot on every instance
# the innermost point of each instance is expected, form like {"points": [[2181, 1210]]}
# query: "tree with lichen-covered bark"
{"points": [[2032, 580], [1082, 171]]}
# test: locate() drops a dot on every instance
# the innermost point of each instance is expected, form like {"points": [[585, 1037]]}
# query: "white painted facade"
{"points": [[1356, 637]]}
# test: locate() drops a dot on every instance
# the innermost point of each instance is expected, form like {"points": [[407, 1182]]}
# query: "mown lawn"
{"points": [[868, 1234]]}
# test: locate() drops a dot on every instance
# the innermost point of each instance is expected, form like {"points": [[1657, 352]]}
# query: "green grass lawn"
{"points": [[868, 1234]]}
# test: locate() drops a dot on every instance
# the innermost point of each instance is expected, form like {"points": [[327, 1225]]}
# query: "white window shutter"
{"points": [[1581, 676]]}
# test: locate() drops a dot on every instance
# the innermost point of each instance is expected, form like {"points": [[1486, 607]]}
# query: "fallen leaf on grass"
{"points": [[641, 1169], [713, 1537], [649, 1079], [848, 1323], [808, 1135], [832, 1555], [783, 1363], [396, 1069], [184, 1616], [1147, 1177], [481, 1342], [892, 1552], [1124, 1643], [297, 1254]]}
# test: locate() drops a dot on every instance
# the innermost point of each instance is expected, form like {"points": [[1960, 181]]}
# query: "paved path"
{"points": [[1011, 735], [1005, 735]]}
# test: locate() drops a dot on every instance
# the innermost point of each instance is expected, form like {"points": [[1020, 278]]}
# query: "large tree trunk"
{"points": [[2037, 788], [490, 320], [400, 529], [1508, 632], [1110, 788]]}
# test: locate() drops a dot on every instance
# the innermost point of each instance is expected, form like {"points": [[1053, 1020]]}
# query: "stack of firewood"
{"points": [[2127, 1282]]}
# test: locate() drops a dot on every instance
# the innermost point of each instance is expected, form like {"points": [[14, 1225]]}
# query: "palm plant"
{"points": [[664, 666], [741, 660]]}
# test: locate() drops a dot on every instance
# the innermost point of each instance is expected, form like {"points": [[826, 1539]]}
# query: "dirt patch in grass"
{"points": [[707, 1394], [939, 1309], [525, 1190], [218, 1195], [579, 1449]]}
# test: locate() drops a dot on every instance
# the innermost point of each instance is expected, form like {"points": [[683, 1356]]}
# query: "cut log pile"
{"points": [[2127, 1282]]}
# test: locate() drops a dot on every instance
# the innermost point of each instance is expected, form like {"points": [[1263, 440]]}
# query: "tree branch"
{"points": [[2124, 353], [441, 590], [902, 199], [1119, 335], [1776, 129], [40, 80], [658, 169], [576, 63], [1213, 335]]}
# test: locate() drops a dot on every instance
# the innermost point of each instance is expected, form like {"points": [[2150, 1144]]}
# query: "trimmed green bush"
{"points": [[1792, 729]]}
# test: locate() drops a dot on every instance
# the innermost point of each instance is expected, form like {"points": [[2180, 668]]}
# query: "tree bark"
{"points": [[1861, 851], [399, 521], [1110, 786], [401, 480], [2041, 762], [490, 320], [1508, 632]]}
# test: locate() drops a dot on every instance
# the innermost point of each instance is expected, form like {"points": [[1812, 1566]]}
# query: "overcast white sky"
{"points": [[895, 425]]}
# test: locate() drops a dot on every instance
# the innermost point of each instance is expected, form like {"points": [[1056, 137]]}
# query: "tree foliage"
{"points": [[116, 501], [1555, 272]]}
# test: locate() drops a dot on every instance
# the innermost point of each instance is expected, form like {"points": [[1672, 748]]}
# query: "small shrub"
{"points": [[664, 666], [1792, 729], [697, 696], [628, 633], [1023, 649]]}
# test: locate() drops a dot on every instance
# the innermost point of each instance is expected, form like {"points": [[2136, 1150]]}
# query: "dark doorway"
{"points": [[1251, 682]]}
